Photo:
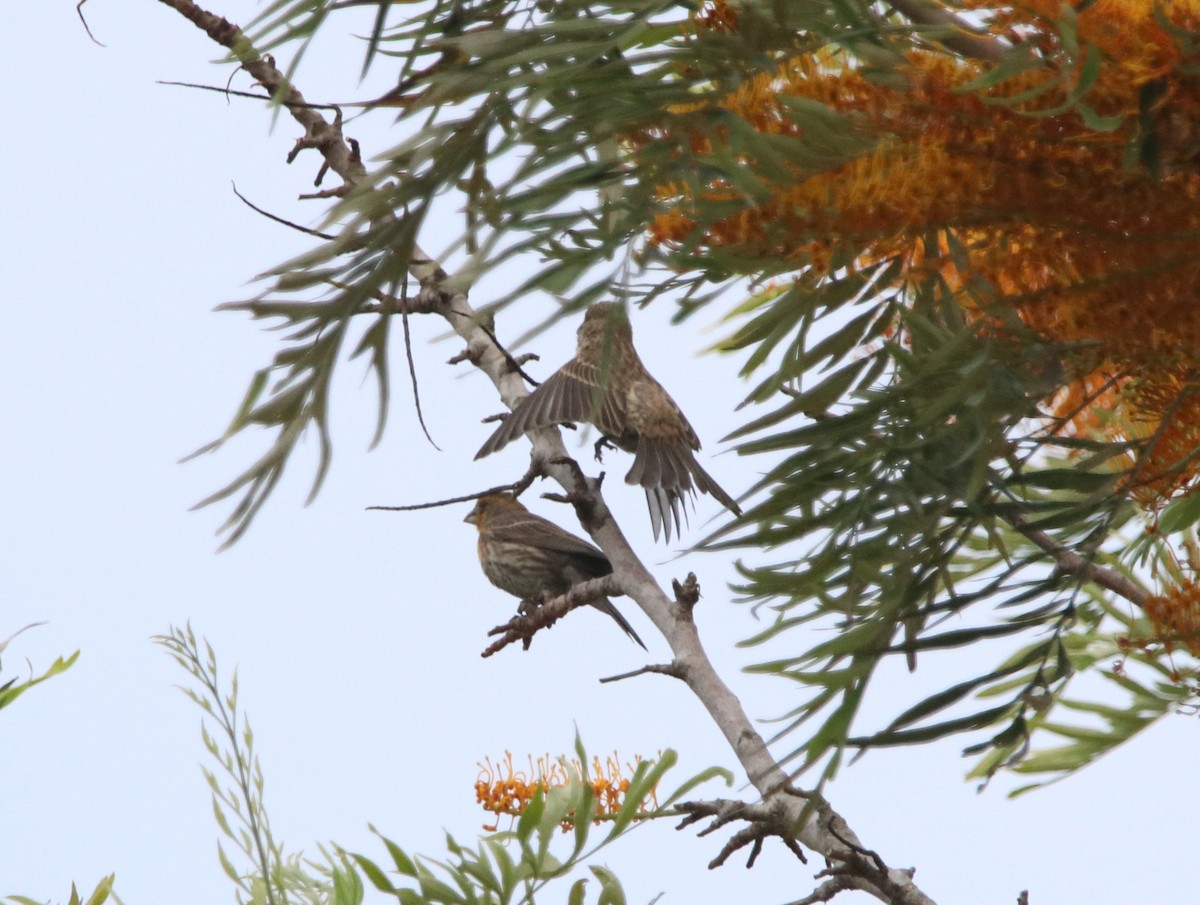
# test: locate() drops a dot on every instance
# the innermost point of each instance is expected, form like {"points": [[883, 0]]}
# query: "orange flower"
{"points": [[1176, 617], [501, 789], [1090, 231]]}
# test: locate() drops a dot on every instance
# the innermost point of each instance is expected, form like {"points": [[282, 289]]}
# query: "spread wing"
{"points": [[573, 393]]}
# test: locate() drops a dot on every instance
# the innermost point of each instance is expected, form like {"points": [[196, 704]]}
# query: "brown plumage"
{"points": [[607, 385], [527, 556]]}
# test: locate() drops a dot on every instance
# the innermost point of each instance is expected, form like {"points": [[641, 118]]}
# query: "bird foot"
{"points": [[529, 606], [602, 444]]}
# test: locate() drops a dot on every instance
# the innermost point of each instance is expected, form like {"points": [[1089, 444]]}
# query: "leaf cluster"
{"points": [[98, 896], [506, 867], [920, 499], [275, 876], [13, 689], [518, 124], [514, 866], [916, 495]]}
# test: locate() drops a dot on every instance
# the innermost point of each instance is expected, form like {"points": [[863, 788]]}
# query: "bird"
{"points": [[607, 385], [528, 556]]}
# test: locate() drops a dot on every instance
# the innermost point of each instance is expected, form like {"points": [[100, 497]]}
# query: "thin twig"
{"points": [[79, 9], [512, 362], [674, 670], [339, 191], [235, 93], [826, 891], [764, 818], [859, 850], [270, 216], [412, 365], [516, 489], [544, 614], [1070, 562]]}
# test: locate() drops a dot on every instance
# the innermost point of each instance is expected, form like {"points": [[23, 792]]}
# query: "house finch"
{"points": [[528, 557], [607, 385]]}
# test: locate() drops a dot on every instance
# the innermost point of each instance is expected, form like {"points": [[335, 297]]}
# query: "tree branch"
{"points": [[543, 614], [818, 827], [1071, 563]]}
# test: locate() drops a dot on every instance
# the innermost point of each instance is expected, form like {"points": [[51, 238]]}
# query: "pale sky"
{"points": [[357, 634]]}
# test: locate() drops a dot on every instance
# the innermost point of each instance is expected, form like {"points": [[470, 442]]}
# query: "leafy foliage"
{"points": [[98, 896], [275, 877], [12, 689], [524, 112], [895, 504], [933, 365], [516, 865], [506, 866]]}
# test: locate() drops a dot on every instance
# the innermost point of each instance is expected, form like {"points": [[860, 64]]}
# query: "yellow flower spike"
{"points": [[503, 791], [1083, 247], [1175, 616]]}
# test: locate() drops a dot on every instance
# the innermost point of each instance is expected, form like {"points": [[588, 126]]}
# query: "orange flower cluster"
{"points": [[503, 790], [1165, 415], [1176, 617], [1087, 225]]}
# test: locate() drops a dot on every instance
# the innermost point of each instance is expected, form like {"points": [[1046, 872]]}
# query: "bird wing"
{"points": [[573, 393], [528, 528]]}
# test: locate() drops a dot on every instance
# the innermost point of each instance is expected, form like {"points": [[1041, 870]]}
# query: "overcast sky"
{"points": [[357, 634]]}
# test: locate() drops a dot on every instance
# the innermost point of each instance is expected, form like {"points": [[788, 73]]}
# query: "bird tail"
{"points": [[605, 605], [665, 506], [706, 484], [668, 470]]}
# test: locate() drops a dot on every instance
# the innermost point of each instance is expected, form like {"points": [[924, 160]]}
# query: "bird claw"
{"points": [[529, 606], [602, 444]]}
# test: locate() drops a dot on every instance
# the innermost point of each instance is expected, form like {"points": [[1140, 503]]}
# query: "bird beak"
{"points": [[471, 518]]}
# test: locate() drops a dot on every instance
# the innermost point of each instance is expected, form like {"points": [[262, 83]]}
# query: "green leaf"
{"points": [[696, 781], [531, 816], [227, 866], [888, 738], [404, 865], [102, 891], [347, 887], [10, 691], [377, 877], [577, 894], [611, 892]]}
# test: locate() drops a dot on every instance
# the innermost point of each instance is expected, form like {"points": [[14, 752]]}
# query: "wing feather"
{"points": [[572, 393], [654, 503], [555, 401], [528, 528]]}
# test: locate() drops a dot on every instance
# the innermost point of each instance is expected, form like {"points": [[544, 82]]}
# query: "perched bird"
{"points": [[528, 556], [607, 385]]}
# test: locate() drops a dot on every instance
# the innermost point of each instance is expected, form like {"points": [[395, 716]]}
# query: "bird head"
{"points": [[489, 504], [605, 330]]}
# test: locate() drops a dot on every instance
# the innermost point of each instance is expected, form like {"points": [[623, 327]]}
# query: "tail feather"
{"points": [[665, 506], [605, 605], [706, 484], [668, 472]]}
